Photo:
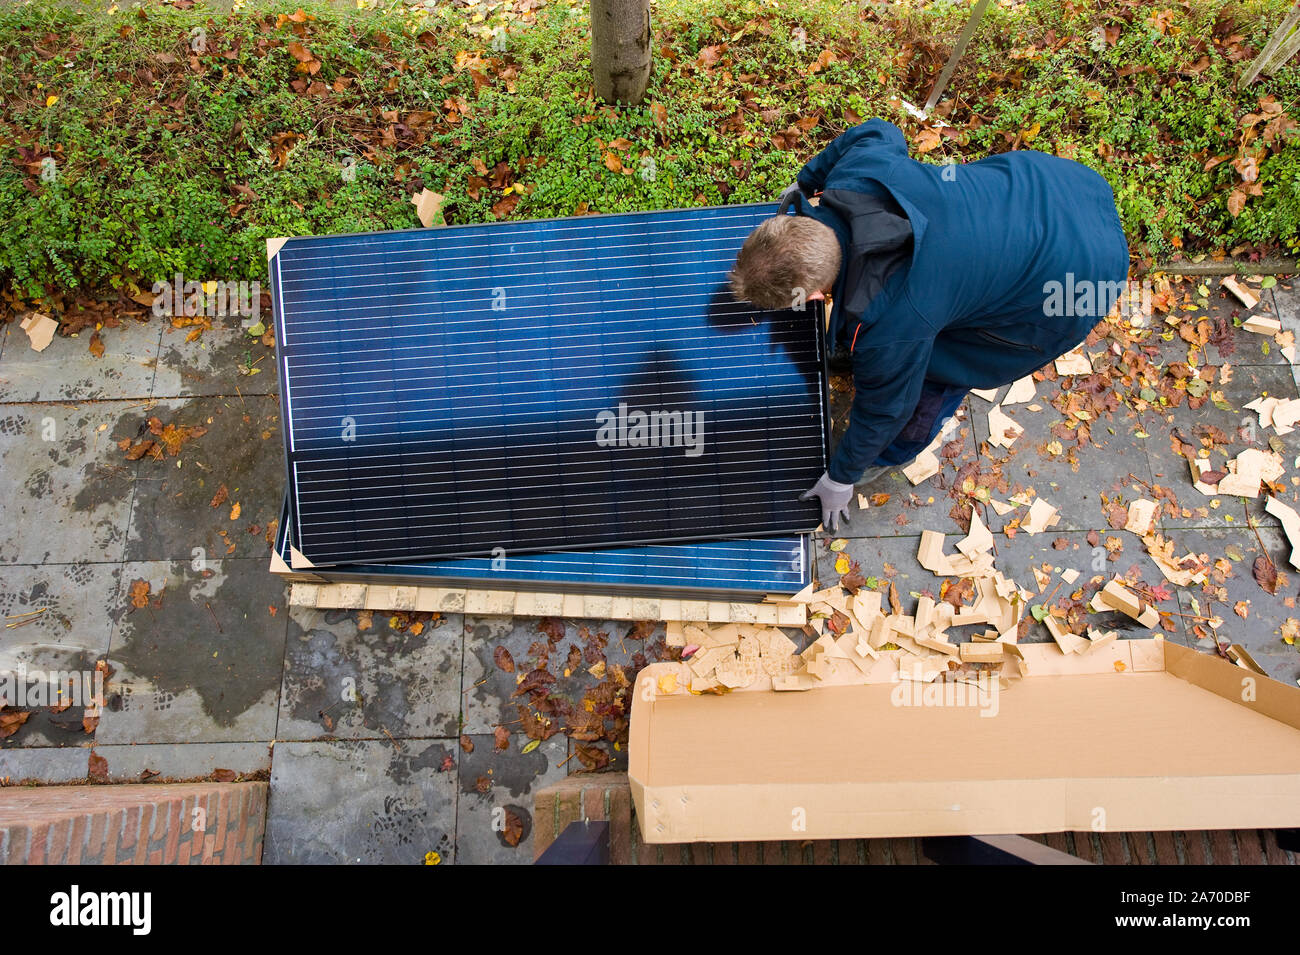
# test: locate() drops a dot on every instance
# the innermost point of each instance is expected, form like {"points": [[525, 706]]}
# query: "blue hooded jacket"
{"points": [[967, 276]]}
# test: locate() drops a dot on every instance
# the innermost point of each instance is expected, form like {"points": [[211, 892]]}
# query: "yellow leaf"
{"points": [[51, 100], [531, 745], [668, 683], [842, 564], [234, 512], [1028, 134]]}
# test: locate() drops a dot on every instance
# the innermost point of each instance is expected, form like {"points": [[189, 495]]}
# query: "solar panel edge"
{"points": [[506, 223], [286, 397], [361, 574]]}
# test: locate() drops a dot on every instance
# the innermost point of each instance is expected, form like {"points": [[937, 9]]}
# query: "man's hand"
{"points": [[835, 499]]}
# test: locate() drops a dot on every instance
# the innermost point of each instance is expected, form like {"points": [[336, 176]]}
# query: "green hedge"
{"points": [[168, 161]]}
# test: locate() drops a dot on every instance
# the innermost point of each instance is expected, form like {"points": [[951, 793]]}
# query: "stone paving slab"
{"points": [[67, 371], [367, 801], [67, 487], [139, 762], [77, 604], [202, 662], [1054, 552], [1233, 584], [212, 364], [496, 797], [1073, 480], [1287, 303], [344, 682], [1246, 348], [1171, 470], [173, 511], [44, 764], [489, 690]]}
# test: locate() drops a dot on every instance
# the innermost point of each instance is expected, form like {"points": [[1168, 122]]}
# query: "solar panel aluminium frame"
{"points": [[605, 572], [730, 312]]}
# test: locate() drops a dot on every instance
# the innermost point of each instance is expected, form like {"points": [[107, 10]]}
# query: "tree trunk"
{"points": [[620, 49]]}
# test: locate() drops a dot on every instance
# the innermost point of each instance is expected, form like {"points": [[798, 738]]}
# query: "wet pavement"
{"points": [[142, 490]]}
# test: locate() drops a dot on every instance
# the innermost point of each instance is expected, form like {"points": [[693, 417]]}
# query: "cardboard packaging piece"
{"points": [[1101, 731]]}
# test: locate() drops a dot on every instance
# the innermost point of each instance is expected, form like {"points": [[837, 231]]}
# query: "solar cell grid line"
{"points": [[449, 391], [751, 568]]}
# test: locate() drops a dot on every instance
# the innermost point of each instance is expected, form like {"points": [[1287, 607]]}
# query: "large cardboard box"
{"points": [[1145, 735]]}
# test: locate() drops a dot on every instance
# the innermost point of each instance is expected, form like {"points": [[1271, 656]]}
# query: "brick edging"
{"points": [[132, 823]]}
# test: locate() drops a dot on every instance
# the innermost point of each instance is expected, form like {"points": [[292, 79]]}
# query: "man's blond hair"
{"points": [[785, 260]]}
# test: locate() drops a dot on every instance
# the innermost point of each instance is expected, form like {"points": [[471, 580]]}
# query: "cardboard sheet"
{"points": [[1162, 741]]}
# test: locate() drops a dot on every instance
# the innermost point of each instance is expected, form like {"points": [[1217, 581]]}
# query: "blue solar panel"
{"points": [[541, 385], [750, 568]]}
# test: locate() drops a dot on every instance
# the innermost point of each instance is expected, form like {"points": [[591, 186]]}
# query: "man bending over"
{"points": [[943, 279]]}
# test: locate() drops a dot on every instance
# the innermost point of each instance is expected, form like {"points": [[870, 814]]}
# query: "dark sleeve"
{"points": [[873, 134], [887, 380]]}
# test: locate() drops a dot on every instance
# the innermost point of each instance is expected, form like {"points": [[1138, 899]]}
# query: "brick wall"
{"points": [[182, 824]]}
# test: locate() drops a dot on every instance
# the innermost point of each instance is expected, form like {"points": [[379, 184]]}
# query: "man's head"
{"points": [[783, 255]]}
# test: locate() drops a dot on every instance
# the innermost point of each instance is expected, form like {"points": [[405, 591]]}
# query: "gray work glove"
{"points": [[789, 192], [835, 499]]}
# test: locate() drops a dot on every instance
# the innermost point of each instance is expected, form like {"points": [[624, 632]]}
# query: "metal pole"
{"points": [[967, 32]]}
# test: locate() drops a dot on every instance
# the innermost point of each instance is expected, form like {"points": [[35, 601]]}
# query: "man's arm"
{"points": [[887, 380], [873, 134]]}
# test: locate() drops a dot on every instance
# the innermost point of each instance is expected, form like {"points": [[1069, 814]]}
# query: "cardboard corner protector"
{"points": [[273, 247]]}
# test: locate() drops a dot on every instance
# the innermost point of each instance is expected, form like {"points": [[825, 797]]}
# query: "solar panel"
{"points": [[717, 570], [541, 385]]}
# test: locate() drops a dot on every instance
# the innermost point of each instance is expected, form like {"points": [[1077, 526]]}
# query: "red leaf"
{"points": [[98, 768], [514, 830], [1265, 573]]}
